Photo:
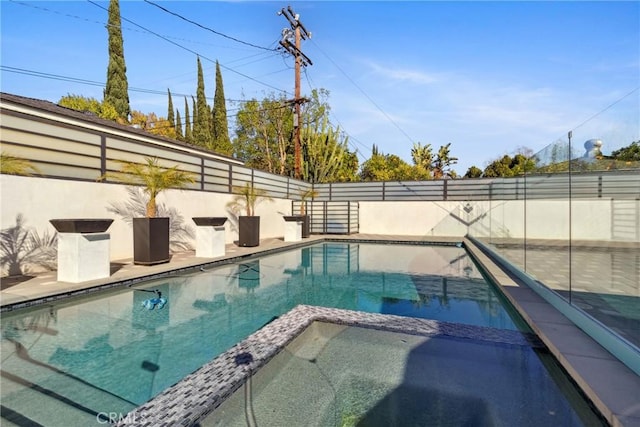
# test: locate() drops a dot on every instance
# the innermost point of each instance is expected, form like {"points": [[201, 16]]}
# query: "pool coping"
{"points": [[197, 396], [612, 387]]}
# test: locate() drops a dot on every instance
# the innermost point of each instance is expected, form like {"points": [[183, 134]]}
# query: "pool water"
{"points": [[80, 362], [336, 375]]}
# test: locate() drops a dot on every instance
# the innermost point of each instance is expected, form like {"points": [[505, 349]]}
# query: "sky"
{"points": [[490, 78]]}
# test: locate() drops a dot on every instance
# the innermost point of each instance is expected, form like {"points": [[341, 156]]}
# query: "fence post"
{"points": [[324, 215], [599, 185], [202, 173], [384, 190], [230, 178], [103, 155], [348, 217], [444, 189]]}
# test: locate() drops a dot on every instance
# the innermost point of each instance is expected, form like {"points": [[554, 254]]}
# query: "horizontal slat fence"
{"points": [[75, 152], [584, 185], [331, 217]]}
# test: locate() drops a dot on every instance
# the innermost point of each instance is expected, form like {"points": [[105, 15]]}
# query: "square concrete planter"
{"points": [[83, 249], [293, 228], [210, 236]]}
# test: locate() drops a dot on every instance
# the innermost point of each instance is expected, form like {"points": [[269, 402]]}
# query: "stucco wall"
{"points": [[40, 199], [545, 219]]}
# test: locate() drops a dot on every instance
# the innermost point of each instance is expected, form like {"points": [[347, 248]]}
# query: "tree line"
{"points": [[264, 132]]}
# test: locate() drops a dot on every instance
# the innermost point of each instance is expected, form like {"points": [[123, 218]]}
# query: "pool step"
{"points": [[62, 399]]}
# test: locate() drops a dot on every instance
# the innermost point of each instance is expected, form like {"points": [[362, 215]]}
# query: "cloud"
{"points": [[404, 75]]}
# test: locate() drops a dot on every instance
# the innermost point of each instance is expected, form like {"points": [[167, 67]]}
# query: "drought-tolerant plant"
{"points": [[309, 193], [246, 198], [153, 178], [13, 165]]}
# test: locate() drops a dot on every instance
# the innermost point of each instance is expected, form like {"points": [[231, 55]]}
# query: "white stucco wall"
{"points": [[42, 199], [545, 219]]}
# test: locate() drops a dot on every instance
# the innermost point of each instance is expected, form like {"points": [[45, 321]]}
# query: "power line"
{"points": [[364, 93], [144, 31], [261, 110], [95, 83], [104, 24], [606, 108], [191, 50], [367, 148], [205, 27]]}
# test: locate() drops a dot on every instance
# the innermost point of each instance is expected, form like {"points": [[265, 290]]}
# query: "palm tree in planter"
{"points": [[309, 193], [246, 198], [12, 165], [151, 233]]}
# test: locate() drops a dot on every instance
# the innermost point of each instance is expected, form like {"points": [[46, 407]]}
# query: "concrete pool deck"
{"points": [[613, 388]]}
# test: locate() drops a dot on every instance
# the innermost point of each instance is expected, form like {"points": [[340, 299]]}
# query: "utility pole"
{"points": [[291, 39]]}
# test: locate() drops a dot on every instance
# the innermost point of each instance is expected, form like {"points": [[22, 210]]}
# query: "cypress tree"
{"points": [[194, 119], [179, 135], [188, 137], [170, 116], [116, 92], [221, 141], [201, 125]]}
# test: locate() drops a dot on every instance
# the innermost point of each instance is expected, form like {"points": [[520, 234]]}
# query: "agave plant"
{"points": [[246, 198], [153, 178]]}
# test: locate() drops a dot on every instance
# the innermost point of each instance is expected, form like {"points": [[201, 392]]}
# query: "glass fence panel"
{"points": [[548, 219], [605, 245], [583, 219]]}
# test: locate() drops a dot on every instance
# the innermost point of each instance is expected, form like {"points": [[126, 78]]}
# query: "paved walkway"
{"points": [[612, 387]]}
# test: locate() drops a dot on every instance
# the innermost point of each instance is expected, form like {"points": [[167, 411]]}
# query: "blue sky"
{"points": [[487, 77]]}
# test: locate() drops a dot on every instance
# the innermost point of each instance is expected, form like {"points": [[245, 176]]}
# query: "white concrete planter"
{"points": [[210, 237], [293, 228], [83, 249]]}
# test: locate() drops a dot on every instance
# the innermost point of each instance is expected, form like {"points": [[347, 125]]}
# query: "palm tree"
{"points": [[422, 156], [153, 178], [246, 198], [442, 163], [304, 195], [13, 165], [151, 234]]}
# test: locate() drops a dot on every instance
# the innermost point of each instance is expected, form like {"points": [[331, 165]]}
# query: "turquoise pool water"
{"points": [[347, 376], [78, 363]]}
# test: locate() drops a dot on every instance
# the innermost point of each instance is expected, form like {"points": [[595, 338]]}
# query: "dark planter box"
{"points": [[150, 240], [212, 221], [306, 226], [248, 231], [81, 225]]}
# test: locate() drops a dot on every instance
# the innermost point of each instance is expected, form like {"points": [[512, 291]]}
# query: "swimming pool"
{"points": [[340, 375], [79, 362]]}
